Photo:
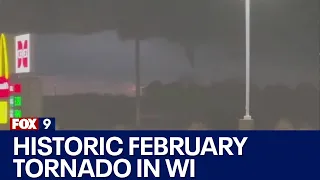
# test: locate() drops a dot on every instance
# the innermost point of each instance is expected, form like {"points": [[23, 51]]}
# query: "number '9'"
{"points": [[46, 123]]}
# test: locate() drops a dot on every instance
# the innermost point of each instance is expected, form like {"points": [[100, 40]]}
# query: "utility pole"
{"points": [[138, 91]]}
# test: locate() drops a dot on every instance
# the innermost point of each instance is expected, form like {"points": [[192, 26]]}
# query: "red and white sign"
{"points": [[4, 88], [24, 124], [22, 48]]}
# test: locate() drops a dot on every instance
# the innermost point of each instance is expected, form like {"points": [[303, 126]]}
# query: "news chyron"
{"points": [[33, 124]]}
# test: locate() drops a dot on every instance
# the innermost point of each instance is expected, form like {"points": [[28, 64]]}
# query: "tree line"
{"points": [[185, 105]]}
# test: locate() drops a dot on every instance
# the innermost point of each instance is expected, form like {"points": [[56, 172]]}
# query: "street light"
{"points": [[247, 115]]}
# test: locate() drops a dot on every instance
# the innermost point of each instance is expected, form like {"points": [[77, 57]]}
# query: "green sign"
{"points": [[17, 101], [17, 113]]}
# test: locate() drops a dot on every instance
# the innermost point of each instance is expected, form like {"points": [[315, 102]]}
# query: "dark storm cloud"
{"points": [[284, 37]]}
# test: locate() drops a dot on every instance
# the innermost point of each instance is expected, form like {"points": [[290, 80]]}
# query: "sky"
{"points": [[284, 50]]}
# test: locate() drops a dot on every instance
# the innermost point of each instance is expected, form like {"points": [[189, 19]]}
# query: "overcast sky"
{"points": [[285, 38]]}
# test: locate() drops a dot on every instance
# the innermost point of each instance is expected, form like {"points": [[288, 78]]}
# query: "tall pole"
{"points": [[319, 54], [138, 94], [55, 90], [247, 17], [247, 122]]}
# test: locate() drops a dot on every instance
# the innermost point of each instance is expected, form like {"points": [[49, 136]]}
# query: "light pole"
{"points": [[247, 11], [247, 121]]}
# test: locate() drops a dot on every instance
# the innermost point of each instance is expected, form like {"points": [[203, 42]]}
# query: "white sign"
{"points": [[23, 53]]}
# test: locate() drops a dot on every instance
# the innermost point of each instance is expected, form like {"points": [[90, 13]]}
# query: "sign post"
{"points": [[25, 74]]}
